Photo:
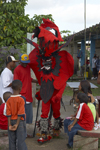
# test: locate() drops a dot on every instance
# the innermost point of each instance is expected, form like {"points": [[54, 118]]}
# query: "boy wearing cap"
{"points": [[7, 76], [22, 72]]}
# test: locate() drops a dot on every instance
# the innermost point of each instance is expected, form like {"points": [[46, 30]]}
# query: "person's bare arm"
{"points": [[34, 81], [9, 123], [0, 101], [18, 120], [98, 79], [71, 125], [9, 85]]}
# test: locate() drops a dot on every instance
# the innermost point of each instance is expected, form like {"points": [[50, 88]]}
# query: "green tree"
{"points": [[65, 33], [14, 24], [38, 19]]}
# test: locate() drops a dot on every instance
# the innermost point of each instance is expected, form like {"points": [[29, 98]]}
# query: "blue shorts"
{"points": [[29, 113]]}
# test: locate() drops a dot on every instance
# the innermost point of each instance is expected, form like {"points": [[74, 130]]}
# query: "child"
{"points": [[82, 121], [3, 118], [16, 118], [86, 88]]}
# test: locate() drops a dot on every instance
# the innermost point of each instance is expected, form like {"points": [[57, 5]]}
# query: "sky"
{"points": [[67, 14]]}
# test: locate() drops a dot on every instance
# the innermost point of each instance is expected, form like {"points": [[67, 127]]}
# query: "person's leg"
{"points": [[58, 122], [21, 135], [56, 109], [12, 137], [67, 122], [29, 113], [73, 131], [45, 109], [29, 118], [43, 123], [94, 72]]}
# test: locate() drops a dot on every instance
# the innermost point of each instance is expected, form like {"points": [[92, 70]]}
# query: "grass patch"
{"points": [[68, 91], [96, 92]]}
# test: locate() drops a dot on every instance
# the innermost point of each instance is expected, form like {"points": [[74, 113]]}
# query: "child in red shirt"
{"points": [[3, 118], [82, 121], [85, 87]]}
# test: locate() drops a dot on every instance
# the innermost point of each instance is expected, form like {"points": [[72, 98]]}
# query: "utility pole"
{"points": [[85, 33]]}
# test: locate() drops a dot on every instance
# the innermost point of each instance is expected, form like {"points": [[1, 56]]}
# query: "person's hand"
{"points": [[72, 115], [10, 127], [13, 128], [72, 118], [37, 95], [70, 127], [56, 99]]}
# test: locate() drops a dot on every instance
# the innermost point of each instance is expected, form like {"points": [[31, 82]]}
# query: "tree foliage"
{"points": [[65, 33], [38, 19], [6, 51], [14, 24]]}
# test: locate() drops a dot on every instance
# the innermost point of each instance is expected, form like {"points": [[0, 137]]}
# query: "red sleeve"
{"points": [[79, 114], [16, 74]]}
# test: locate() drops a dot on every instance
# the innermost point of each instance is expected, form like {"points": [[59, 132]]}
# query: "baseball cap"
{"points": [[24, 58], [10, 59]]}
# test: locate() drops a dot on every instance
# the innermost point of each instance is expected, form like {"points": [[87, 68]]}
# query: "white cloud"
{"points": [[68, 15]]}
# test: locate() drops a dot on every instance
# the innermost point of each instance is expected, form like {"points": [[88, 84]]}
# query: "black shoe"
{"points": [[68, 146]]}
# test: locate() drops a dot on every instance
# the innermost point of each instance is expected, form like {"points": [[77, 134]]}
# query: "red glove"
{"points": [[37, 95], [56, 99]]}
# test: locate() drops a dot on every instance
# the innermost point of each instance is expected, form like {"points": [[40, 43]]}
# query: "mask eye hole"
{"points": [[51, 30]]}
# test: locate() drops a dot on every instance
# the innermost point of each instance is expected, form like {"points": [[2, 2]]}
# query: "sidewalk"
{"points": [[53, 144]]}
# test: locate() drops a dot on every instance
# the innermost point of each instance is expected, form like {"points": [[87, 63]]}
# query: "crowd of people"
{"points": [[16, 104], [16, 101]]}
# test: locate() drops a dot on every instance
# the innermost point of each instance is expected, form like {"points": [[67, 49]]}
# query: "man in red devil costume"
{"points": [[52, 68]]}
